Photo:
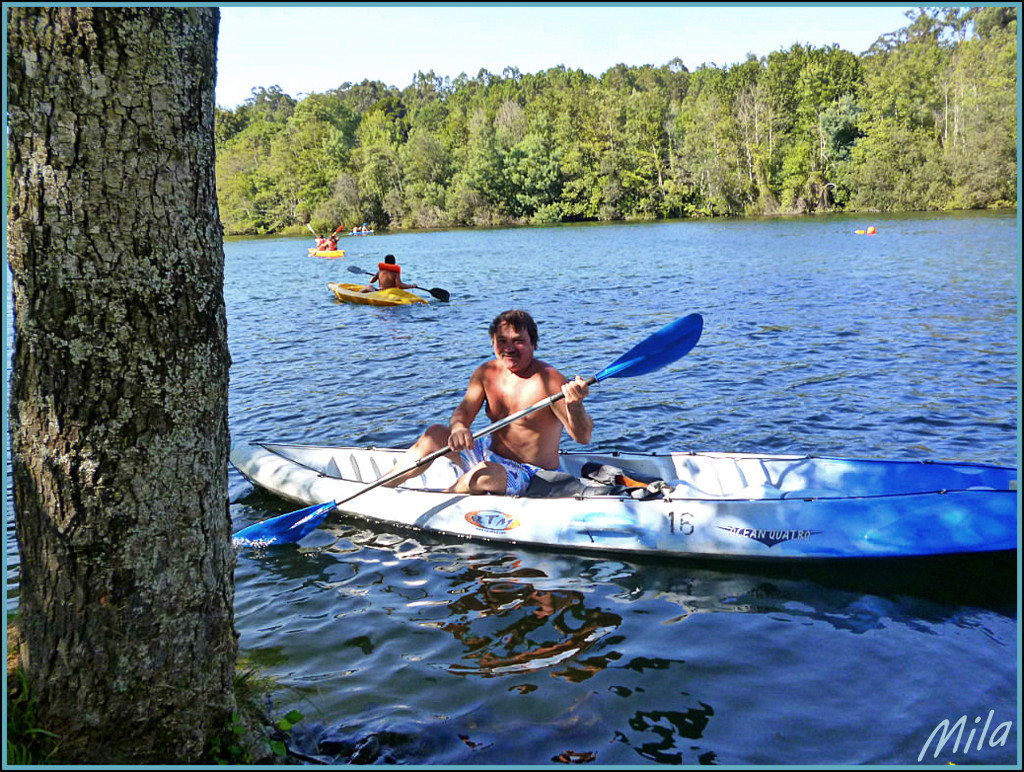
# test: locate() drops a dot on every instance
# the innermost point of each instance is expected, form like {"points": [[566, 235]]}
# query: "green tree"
{"points": [[484, 170], [427, 168], [709, 147], [575, 135], [980, 127], [533, 173], [645, 152]]}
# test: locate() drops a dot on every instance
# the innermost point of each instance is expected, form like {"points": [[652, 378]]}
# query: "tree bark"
{"points": [[118, 411]]}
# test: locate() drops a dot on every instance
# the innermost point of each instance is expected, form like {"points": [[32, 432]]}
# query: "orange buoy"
{"points": [[871, 230]]}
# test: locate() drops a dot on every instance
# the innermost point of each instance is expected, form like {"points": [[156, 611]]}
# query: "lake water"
{"points": [[400, 647]]}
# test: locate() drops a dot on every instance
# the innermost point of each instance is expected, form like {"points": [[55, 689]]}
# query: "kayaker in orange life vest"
{"points": [[388, 276]]}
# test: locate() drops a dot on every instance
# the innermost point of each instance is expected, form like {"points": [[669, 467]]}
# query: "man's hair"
{"points": [[390, 259], [518, 320]]}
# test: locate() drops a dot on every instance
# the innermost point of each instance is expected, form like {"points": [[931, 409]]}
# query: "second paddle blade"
{"points": [[441, 294]]}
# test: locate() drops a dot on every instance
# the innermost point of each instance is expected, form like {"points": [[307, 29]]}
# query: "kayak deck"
{"points": [[713, 504], [314, 252], [352, 293]]}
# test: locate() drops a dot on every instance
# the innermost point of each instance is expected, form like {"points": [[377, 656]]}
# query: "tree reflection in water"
{"points": [[508, 625]]}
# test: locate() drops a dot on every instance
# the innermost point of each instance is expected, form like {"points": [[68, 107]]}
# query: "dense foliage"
{"points": [[925, 119]]}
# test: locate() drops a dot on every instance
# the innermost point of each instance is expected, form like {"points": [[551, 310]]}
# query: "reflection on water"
{"points": [[669, 728], [508, 625], [458, 653]]}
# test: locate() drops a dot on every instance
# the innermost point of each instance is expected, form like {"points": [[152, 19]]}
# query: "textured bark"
{"points": [[120, 374]]}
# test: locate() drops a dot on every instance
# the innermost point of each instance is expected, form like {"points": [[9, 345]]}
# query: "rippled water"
{"points": [[401, 647]]}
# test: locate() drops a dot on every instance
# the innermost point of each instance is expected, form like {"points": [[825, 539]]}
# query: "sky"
{"points": [[308, 49]]}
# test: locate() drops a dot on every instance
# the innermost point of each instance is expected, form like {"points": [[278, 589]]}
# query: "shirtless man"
{"points": [[505, 461], [388, 276]]}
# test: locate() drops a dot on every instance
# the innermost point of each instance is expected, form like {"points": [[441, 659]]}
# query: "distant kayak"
{"points": [[360, 233], [351, 293], [314, 252]]}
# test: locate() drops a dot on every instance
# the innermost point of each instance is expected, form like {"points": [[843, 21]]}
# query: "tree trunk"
{"points": [[118, 411]]}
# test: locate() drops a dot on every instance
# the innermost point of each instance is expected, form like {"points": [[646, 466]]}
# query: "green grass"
{"points": [[27, 743]]}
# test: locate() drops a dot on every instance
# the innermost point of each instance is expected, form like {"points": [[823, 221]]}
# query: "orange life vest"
{"points": [[390, 267]]}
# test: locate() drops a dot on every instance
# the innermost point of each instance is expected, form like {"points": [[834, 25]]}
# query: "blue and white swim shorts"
{"points": [[518, 475]]}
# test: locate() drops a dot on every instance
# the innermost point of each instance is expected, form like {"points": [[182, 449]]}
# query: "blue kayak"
{"points": [[724, 505]]}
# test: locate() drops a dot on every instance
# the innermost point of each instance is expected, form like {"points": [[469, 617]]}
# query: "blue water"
{"points": [[401, 647]]}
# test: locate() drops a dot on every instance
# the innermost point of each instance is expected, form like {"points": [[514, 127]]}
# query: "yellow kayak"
{"points": [[314, 252], [350, 293]]}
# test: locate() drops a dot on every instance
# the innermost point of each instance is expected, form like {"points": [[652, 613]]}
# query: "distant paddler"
{"points": [[388, 276], [326, 244]]}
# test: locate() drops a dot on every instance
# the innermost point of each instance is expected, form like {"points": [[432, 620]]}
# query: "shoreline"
{"points": [[301, 230]]}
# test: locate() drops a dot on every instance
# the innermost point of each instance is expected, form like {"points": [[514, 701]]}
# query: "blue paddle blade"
{"points": [[284, 529], [668, 344]]}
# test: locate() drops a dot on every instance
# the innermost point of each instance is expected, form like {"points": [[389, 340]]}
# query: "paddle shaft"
{"points": [[431, 457]]}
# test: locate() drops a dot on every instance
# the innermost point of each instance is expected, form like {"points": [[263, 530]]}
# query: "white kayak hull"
{"points": [[720, 505]]}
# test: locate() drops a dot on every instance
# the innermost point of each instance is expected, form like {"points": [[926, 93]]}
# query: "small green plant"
{"points": [[226, 748], [26, 742], [285, 725], [246, 739]]}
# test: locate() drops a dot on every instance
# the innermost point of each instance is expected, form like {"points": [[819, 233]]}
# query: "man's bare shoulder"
{"points": [[550, 373], [487, 368]]}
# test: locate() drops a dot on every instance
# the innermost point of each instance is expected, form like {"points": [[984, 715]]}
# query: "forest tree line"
{"points": [[926, 119]]}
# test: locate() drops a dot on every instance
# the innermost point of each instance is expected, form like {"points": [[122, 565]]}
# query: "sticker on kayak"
{"points": [[492, 520], [766, 537]]}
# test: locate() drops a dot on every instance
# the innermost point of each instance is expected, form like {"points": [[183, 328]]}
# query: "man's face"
{"points": [[513, 348]]}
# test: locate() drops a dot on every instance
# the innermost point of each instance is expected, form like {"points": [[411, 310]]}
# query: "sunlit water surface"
{"points": [[400, 647]]}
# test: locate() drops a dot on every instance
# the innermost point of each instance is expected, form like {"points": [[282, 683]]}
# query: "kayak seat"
{"points": [[595, 480], [547, 484]]}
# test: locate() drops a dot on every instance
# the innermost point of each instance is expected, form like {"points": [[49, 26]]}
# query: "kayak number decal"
{"points": [[684, 527], [492, 520]]}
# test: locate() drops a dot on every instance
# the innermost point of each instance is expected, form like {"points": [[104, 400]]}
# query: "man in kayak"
{"points": [[505, 461], [388, 276]]}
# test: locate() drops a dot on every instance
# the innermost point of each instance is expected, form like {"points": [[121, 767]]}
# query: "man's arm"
{"points": [[369, 285], [571, 412], [462, 418]]}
